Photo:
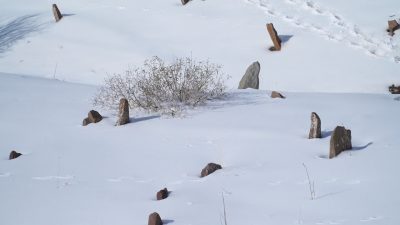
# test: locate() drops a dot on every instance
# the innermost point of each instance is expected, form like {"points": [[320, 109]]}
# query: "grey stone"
{"points": [[184, 2], [56, 12], [94, 116], [155, 219], [14, 155], [86, 122], [123, 115], [340, 141], [315, 130], [393, 25], [251, 78], [209, 169], [394, 89]]}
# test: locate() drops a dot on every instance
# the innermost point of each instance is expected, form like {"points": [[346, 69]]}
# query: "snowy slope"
{"points": [[102, 174], [336, 46]]}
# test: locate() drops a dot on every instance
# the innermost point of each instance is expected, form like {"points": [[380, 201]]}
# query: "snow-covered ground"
{"points": [[337, 60]]}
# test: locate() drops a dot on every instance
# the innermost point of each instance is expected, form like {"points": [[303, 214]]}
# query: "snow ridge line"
{"points": [[344, 32]]}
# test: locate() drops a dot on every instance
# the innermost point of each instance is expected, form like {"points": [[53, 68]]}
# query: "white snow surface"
{"points": [[337, 60]]}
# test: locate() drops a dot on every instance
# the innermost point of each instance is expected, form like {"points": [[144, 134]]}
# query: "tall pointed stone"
{"points": [[56, 12], [274, 37], [315, 130], [251, 78], [123, 115]]}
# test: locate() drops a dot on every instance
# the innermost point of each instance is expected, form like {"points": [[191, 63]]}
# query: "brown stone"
{"points": [[57, 14], [276, 94], [162, 194], [184, 2], [393, 25], [155, 219], [274, 37], [94, 116], [340, 141], [315, 130], [14, 155], [123, 115], [394, 89], [209, 169]]}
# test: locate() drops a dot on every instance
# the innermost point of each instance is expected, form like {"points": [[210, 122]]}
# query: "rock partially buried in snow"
{"points": [[93, 117], [123, 115], [393, 25], [315, 130], [162, 194], [274, 37], [155, 219], [276, 94], [394, 89], [56, 12], [251, 78], [340, 141], [184, 2], [209, 169], [14, 155]]}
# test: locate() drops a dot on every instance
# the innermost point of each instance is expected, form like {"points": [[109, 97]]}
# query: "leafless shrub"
{"points": [[166, 88]]}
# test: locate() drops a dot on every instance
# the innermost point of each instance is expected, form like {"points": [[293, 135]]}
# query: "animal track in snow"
{"points": [[333, 27], [371, 218], [127, 178], [67, 177]]}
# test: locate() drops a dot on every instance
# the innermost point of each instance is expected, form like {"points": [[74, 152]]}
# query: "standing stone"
{"points": [[275, 38], [315, 130], [162, 194], [184, 2], [392, 26], [251, 78], [123, 115], [340, 141], [14, 155], [275, 94], [57, 14], [155, 219], [209, 169]]}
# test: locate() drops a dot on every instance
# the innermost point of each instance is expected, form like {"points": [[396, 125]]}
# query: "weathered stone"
{"points": [[94, 116], [393, 25], [340, 141], [86, 122], [14, 155], [274, 37], [162, 194], [184, 2], [155, 219], [251, 78], [275, 94], [394, 89], [57, 14], [315, 130], [209, 169], [123, 115]]}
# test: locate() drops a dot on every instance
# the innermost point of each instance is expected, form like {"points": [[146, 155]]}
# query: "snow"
{"points": [[337, 60]]}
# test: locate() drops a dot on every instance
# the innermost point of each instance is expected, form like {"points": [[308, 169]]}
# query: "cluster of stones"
{"points": [[340, 138], [123, 115]]}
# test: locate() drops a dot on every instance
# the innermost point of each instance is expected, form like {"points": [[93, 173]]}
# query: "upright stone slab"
{"points": [[340, 141], [184, 2], [393, 25], [209, 169], [123, 115], [251, 78], [56, 12], [274, 37], [315, 130], [14, 155], [155, 219]]}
